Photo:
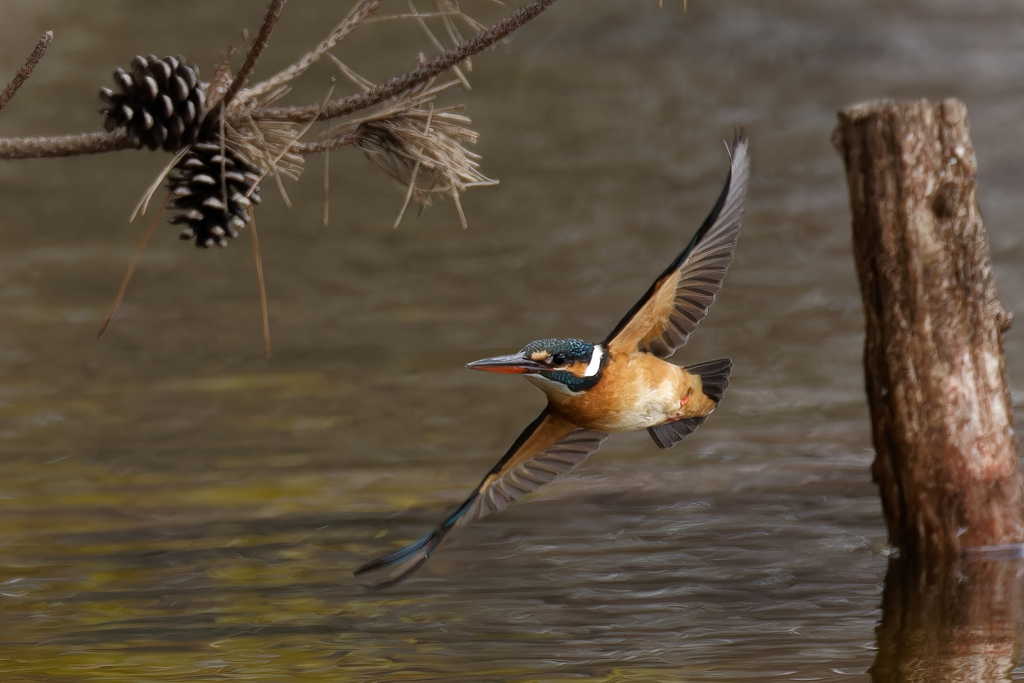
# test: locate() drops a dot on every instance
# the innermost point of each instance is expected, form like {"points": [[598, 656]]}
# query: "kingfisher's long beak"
{"points": [[517, 364]]}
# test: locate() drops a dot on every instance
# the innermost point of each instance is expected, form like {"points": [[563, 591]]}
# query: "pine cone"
{"points": [[161, 103], [197, 185]]}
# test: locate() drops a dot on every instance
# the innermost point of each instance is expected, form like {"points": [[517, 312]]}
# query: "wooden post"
{"points": [[947, 460]]}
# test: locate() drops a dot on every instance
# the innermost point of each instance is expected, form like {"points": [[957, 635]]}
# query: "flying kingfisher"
{"points": [[623, 384]]}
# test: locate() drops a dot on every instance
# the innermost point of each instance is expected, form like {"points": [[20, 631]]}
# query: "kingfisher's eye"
{"points": [[559, 359]]}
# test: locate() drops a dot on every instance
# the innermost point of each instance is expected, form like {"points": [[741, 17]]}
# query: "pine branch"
{"points": [[270, 20], [30, 64], [94, 143], [444, 61], [282, 78], [325, 145], [62, 145]]}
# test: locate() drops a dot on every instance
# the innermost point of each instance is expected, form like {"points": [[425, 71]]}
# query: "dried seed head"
{"points": [[424, 148]]}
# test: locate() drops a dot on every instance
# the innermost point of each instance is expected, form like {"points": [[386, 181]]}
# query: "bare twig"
{"points": [[123, 287], [62, 145], [327, 188], [325, 145], [143, 206], [408, 194], [220, 81], [426, 15], [360, 82], [444, 61], [30, 64], [450, 8], [258, 260], [224, 168], [270, 20], [358, 16], [439, 45]]}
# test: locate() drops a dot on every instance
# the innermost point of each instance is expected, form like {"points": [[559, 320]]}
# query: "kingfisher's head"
{"points": [[563, 365]]}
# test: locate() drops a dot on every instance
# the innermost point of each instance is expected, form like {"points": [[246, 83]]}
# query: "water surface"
{"points": [[175, 507]]}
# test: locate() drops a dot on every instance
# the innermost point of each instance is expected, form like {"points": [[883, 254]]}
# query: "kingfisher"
{"points": [[623, 384]]}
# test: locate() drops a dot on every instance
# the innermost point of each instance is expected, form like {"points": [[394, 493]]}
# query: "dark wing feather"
{"points": [[546, 449], [515, 481], [665, 317]]}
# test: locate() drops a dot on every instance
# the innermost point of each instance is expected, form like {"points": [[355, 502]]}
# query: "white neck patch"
{"points": [[550, 385], [595, 362]]}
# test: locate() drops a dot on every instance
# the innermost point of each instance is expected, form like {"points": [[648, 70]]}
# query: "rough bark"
{"points": [[947, 460]]}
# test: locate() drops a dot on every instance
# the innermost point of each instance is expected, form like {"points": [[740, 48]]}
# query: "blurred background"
{"points": [[174, 506]]}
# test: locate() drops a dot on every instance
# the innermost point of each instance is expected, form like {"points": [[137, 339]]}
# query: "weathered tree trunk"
{"points": [[947, 459]]}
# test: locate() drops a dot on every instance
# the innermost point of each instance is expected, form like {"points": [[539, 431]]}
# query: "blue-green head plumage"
{"points": [[562, 357], [553, 364]]}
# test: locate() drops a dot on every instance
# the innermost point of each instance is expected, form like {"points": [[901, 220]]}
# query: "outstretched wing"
{"points": [[525, 472], [675, 304], [548, 448]]}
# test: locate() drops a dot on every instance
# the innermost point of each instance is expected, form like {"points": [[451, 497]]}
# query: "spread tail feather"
{"points": [[714, 376], [669, 434], [399, 565]]}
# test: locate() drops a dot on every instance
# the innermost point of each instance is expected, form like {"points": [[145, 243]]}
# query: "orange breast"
{"points": [[636, 391]]}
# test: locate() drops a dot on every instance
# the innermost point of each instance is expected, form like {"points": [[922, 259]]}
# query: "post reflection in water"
{"points": [[959, 622]]}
